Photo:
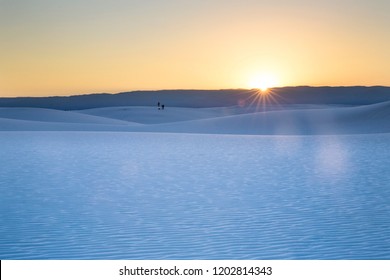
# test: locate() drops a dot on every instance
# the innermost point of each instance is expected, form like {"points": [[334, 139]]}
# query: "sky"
{"points": [[53, 47]]}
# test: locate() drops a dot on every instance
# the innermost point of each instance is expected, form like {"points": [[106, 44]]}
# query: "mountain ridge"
{"points": [[194, 98]]}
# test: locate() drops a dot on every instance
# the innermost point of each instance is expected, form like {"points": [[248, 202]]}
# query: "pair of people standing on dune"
{"points": [[159, 105]]}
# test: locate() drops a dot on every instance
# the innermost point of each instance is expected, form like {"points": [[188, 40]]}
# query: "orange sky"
{"points": [[52, 47]]}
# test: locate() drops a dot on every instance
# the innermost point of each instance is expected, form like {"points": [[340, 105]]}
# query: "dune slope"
{"points": [[356, 120], [275, 120]]}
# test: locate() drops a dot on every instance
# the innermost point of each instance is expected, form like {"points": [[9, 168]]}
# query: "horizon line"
{"points": [[193, 89]]}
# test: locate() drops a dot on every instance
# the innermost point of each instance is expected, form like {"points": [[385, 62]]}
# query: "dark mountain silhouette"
{"points": [[207, 98]]}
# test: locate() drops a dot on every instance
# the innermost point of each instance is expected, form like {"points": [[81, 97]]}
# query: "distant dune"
{"points": [[56, 116], [290, 111], [350, 120]]}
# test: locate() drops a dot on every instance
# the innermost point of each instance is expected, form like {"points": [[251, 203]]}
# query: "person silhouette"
{"points": [[162, 106], [158, 105]]}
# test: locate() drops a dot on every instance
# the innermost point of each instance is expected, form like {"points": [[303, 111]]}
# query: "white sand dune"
{"points": [[50, 115], [292, 119], [26, 125], [151, 115], [356, 120], [40, 119]]}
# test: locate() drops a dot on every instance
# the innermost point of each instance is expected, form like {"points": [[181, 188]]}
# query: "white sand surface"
{"points": [[295, 119], [266, 181], [282, 111]]}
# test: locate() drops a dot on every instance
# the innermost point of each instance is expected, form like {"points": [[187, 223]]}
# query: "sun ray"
{"points": [[263, 93]]}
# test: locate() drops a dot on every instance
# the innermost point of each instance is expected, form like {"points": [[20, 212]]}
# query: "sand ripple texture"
{"points": [[107, 195]]}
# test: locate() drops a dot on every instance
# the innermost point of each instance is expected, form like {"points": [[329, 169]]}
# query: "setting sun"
{"points": [[263, 82]]}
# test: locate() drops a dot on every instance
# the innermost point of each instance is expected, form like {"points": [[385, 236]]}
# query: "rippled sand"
{"points": [[107, 195]]}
